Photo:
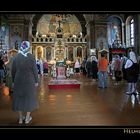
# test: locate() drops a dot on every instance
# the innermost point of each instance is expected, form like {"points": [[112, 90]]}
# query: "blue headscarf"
{"points": [[24, 48]]}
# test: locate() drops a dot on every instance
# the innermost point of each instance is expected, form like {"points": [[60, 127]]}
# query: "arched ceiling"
{"points": [[80, 17]]}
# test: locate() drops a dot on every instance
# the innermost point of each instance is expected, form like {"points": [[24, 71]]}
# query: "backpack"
{"points": [[133, 70]]}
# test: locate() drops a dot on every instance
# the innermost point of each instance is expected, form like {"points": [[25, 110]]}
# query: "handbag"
{"points": [[5, 90]]}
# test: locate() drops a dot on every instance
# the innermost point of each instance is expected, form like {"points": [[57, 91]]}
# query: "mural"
{"points": [[39, 52], [100, 16], [101, 44], [114, 30], [79, 52], [100, 31], [49, 23], [70, 53], [48, 53], [16, 36], [15, 41], [4, 33]]}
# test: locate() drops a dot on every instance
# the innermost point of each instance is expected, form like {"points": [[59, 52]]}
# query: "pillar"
{"points": [[90, 34], [123, 44], [28, 30], [137, 37], [137, 33]]}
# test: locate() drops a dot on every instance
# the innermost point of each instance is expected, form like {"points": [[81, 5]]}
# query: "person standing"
{"points": [[102, 71], [8, 66], [88, 67], [83, 65], [25, 82], [113, 68], [77, 68], [94, 68], [132, 73], [2, 69], [123, 62], [45, 67], [117, 69], [38, 67]]}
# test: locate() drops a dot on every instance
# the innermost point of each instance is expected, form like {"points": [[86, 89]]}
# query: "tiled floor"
{"points": [[87, 106]]}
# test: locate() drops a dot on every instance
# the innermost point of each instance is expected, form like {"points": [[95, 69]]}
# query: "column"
{"points": [[27, 26], [75, 53], [123, 44], [44, 52], [35, 52], [137, 37], [137, 33], [91, 36]]}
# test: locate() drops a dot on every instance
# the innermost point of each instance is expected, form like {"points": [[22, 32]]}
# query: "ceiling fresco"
{"points": [[49, 23]]}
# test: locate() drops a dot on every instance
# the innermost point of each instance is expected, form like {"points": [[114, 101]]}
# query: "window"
{"points": [[132, 32]]}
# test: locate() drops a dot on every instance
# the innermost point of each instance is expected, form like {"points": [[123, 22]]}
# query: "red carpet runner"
{"points": [[60, 84]]}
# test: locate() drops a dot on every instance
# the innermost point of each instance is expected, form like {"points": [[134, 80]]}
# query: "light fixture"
{"points": [[74, 36], [68, 62], [52, 62], [43, 35]]}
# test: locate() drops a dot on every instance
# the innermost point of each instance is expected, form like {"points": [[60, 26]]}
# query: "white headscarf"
{"points": [[133, 57], [94, 58], [24, 48], [129, 62]]}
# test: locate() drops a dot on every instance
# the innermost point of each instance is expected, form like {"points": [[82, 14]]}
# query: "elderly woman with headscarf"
{"points": [[88, 67], [118, 69], [132, 72], [94, 68], [25, 82]]}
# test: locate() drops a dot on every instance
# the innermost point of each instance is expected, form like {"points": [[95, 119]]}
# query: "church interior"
{"points": [[61, 39]]}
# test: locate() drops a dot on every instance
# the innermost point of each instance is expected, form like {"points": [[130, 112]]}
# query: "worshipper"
{"points": [[77, 67], [123, 62], [118, 69], [112, 68], [2, 70], [38, 67], [25, 82], [45, 67], [83, 65], [132, 72], [8, 66], [102, 71], [88, 67], [94, 68]]}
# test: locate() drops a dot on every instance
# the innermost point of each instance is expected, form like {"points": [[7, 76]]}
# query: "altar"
{"points": [[60, 80]]}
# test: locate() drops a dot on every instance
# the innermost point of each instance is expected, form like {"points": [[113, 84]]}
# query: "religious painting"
{"points": [[114, 30], [70, 53], [59, 54], [39, 53], [16, 41], [16, 30], [79, 52], [48, 53], [101, 44], [101, 31], [52, 26], [102, 47], [4, 32]]}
